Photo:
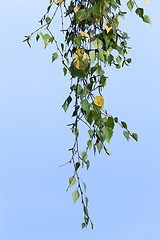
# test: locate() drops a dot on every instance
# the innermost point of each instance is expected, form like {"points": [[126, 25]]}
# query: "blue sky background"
{"points": [[123, 189]]}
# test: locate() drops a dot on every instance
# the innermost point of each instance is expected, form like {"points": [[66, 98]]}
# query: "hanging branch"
{"points": [[92, 41]]}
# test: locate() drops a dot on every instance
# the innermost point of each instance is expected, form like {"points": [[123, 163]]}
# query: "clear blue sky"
{"points": [[124, 189]]}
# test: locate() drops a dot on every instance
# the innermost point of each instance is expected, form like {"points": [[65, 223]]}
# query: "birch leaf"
{"points": [[58, 2], [108, 28], [81, 59], [84, 35], [99, 101]]}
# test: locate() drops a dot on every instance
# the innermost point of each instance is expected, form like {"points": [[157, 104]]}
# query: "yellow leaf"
{"points": [[97, 19], [106, 10], [99, 101], [58, 2], [85, 35], [77, 8], [127, 49], [81, 65], [146, 2], [108, 28], [116, 22]]}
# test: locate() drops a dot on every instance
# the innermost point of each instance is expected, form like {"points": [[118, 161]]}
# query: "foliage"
{"points": [[92, 41]]}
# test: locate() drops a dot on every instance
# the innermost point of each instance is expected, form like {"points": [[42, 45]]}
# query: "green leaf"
{"points": [[118, 1], [101, 56], [96, 9], [83, 225], [75, 196], [130, 5], [99, 146], [116, 120], [37, 37], [124, 125], [46, 38], [65, 106], [102, 137], [48, 20], [80, 91], [97, 43], [139, 12], [66, 103], [64, 71], [126, 134], [89, 144], [146, 19], [81, 14], [72, 181], [103, 80], [129, 60], [110, 59], [118, 59], [86, 200], [135, 136], [85, 104], [84, 156], [86, 211], [90, 132], [88, 164], [125, 35], [62, 46], [108, 131], [77, 40], [110, 122], [92, 56], [75, 131], [77, 166], [54, 56], [91, 224]]}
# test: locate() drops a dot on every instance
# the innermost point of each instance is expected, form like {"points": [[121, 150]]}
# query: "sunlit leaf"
{"points": [[72, 181], [130, 5], [75, 196], [116, 22], [146, 19], [99, 101], [47, 38], [77, 8], [84, 35], [97, 43], [81, 14], [107, 26], [58, 2], [82, 63], [92, 56]]}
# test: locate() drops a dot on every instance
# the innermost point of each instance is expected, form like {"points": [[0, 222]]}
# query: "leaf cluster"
{"points": [[92, 42]]}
